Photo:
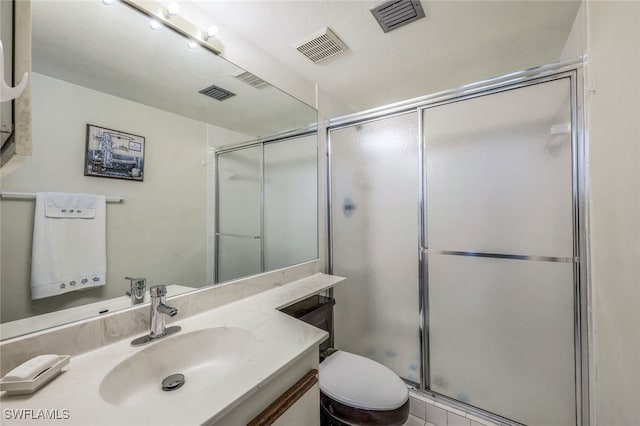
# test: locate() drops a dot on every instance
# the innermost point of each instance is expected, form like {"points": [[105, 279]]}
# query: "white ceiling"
{"points": [[111, 49], [458, 42]]}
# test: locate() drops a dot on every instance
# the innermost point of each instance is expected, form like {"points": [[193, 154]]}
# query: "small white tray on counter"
{"points": [[22, 387]]}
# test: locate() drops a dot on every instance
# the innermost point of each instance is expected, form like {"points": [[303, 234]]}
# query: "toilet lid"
{"points": [[361, 383]]}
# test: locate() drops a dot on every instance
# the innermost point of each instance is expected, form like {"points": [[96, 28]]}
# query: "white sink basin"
{"points": [[202, 356]]}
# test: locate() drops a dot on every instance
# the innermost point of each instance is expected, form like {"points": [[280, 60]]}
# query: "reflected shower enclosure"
{"points": [[266, 206], [457, 222]]}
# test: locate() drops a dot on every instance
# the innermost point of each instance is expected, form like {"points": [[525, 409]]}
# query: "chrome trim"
{"points": [[372, 119], [464, 90], [32, 196], [329, 207], [277, 137], [575, 219], [216, 221], [423, 271], [581, 330], [584, 249], [236, 147], [262, 194], [253, 237], [505, 256]]}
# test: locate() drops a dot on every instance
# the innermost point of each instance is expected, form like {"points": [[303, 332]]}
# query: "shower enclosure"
{"points": [[457, 220], [266, 205]]}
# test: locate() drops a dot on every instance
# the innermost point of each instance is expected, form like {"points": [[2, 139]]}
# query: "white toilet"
{"points": [[355, 390]]}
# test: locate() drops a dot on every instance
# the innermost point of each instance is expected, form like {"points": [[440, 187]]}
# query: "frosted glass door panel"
{"points": [[501, 336], [239, 191], [290, 202], [374, 217], [238, 257], [499, 172]]}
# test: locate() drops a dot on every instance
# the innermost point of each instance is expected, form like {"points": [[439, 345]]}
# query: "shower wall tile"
{"points": [[436, 415], [439, 414], [451, 409], [414, 421], [418, 407], [456, 420], [477, 421]]}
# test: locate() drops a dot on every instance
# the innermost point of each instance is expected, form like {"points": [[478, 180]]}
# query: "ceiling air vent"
{"points": [[396, 13], [321, 45], [216, 92], [250, 79]]}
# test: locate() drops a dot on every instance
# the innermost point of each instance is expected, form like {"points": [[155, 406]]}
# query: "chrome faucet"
{"points": [[158, 311], [137, 290]]}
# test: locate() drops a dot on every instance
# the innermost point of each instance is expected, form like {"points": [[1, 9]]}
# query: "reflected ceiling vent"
{"points": [[250, 79], [321, 45], [217, 93], [396, 13]]}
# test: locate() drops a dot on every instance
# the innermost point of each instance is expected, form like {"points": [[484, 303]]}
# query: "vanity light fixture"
{"points": [[154, 24], [172, 9], [211, 32], [191, 44]]}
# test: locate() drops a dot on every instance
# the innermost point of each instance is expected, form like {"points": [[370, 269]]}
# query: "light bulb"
{"points": [[173, 8], [192, 44], [155, 25], [212, 30]]}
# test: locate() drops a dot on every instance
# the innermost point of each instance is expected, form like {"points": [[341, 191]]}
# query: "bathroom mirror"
{"points": [[103, 65]]}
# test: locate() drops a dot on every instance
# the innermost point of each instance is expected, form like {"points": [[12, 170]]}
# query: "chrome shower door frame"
{"points": [[572, 69]]}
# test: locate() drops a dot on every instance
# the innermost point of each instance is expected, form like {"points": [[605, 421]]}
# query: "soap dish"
{"points": [[23, 387]]}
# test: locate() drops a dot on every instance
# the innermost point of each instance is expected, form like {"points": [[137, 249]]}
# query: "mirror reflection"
{"points": [[206, 211]]}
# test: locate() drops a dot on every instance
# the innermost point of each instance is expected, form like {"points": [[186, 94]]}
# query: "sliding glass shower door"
{"points": [[499, 238], [374, 229], [266, 203], [239, 207], [477, 296]]}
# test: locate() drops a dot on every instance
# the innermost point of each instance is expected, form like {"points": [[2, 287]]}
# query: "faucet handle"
{"points": [[137, 287], [158, 290]]}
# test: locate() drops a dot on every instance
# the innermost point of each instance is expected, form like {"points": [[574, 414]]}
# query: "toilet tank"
{"points": [[316, 310]]}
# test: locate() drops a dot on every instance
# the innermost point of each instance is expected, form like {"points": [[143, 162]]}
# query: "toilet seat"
{"points": [[362, 383]]}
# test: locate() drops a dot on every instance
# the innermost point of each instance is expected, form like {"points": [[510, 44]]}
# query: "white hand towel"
{"points": [[69, 243]]}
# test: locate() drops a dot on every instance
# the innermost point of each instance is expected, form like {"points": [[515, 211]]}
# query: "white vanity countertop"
{"points": [[281, 340]]}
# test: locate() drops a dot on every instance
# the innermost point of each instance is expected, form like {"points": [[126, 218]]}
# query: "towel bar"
{"points": [[30, 195]]}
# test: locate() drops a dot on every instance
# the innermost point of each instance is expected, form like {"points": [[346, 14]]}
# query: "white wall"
{"points": [[159, 232], [613, 77], [6, 29]]}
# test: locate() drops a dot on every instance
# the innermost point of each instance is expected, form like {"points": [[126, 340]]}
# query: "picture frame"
{"points": [[114, 154]]}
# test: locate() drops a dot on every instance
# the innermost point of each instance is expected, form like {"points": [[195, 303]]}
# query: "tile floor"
{"points": [[417, 421]]}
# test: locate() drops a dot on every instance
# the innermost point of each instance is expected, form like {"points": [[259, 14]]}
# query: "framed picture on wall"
{"points": [[113, 154]]}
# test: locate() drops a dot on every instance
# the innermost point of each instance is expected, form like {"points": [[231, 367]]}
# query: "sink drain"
{"points": [[172, 382]]}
